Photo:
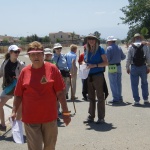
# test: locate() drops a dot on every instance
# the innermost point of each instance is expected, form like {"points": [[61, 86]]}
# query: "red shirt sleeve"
{"points": [[59, 84], [81, 58]]}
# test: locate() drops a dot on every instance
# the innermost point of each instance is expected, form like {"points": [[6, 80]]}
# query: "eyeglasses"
{"points": [[90, 38], [16, 52]]}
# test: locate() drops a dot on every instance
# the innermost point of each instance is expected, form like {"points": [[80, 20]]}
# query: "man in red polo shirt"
{"points": [[38, 87]]}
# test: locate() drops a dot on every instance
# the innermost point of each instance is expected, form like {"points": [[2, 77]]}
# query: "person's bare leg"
{"points": [[3, 101], [19, 113]]}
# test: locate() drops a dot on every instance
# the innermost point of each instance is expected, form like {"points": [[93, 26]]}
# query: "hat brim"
{"points": [[86, 38], [34, 51], [112, 40], [18, 49], [57, 47], [47, 53]]}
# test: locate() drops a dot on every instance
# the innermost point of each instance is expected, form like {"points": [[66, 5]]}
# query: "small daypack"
{"points": [[139, 57]]}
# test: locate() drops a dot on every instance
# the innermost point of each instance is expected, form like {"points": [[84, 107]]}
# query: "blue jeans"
{"points": [[136, 73], [115, 84]]}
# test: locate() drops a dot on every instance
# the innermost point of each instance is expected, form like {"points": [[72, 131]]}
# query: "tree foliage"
{"points": [[34, 37], [97, 34], [137, 16]]}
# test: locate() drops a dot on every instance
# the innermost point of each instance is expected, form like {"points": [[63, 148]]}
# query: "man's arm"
{"points": [[129, 60], [16, 104], [62, 99]]}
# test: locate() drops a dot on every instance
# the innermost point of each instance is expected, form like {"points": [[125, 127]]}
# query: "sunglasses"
{"points": [[16, 52], [58, 48], [91, 38]]}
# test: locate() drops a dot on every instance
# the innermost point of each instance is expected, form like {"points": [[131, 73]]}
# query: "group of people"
{"points": [[38, 88]]}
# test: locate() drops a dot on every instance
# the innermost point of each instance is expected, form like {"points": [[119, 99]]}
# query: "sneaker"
{"points": [[74, 98], [100, 121], [88, 120], [85, 98], [2, 128], [136, 103], [114, 102], [146, 102]]}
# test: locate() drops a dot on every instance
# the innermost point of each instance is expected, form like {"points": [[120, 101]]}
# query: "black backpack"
{"points": [[139, 57]]}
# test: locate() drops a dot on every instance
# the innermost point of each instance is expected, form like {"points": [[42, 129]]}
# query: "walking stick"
{"points": [[79, 57], [73, 98]]}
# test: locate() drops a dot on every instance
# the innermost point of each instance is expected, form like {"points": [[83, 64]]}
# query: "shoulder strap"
{"points": [[57, 62]]}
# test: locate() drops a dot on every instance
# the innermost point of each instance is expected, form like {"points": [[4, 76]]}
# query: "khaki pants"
{"points": [[67, 83], [39, 134], [73, 81], [96, 87]]}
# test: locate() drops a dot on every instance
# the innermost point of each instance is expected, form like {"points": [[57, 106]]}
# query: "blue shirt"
{"points": [[70, 56], [114, 54], [95, 59], [60, 61]]}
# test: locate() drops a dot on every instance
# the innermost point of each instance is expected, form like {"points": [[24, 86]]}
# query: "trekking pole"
{"points": [[79, 57], [73, 98]]}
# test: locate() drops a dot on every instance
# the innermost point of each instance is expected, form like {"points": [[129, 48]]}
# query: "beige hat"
{"points": [[48, 51], [91, 35], [137, 35]]}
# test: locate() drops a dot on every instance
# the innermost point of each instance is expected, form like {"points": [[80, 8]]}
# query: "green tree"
{"points": [[46, 39], [97, 34], [72, 36], [137, 16]]}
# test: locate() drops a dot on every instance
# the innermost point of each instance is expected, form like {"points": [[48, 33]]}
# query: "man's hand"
{"points": [[13, 116], [128, 71], [148, 70], [67, 119]]}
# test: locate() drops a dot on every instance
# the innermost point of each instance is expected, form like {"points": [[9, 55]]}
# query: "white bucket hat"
{"points": [[57, 45], [111, 38], [47, 51], [13, 48]]}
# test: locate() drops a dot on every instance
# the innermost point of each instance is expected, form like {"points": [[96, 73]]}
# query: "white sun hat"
{"points": [[13, 48], [111, 38], [57, 45]]}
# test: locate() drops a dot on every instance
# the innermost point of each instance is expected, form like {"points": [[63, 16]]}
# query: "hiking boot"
{"points": [[2, 128], [146, 102], [100, 121], [89, 120]]}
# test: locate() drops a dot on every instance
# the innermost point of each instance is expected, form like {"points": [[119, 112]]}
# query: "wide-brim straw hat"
{"points": [[92, 36], [137, 35]]}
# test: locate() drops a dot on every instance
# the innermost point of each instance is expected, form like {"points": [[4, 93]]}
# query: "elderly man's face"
{"points": [[137, 38]]}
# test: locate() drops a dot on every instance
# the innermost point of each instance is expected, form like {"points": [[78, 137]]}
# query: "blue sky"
{"points": [[27, 17]]}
